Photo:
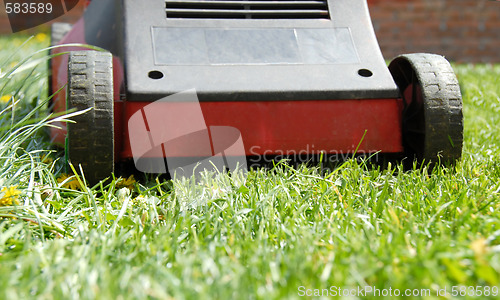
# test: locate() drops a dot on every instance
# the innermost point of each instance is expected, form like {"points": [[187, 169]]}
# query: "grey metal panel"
{"points": [[314, 77], [243, 46]]}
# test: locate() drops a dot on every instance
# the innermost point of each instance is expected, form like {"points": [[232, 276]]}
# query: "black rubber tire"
{"points": [[57, 32], [432, 119], [91, 139]]}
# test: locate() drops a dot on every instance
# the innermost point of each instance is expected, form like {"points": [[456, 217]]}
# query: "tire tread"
{"points": [[91, 138]]}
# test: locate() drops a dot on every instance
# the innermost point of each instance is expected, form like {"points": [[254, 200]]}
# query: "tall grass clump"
{"points": [[26, 164]]}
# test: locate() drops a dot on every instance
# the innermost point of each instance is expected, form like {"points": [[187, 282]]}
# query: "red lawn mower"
{"points": [[293, 76]]}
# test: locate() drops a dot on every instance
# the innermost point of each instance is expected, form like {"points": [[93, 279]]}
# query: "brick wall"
{"points": [[462, 30]]}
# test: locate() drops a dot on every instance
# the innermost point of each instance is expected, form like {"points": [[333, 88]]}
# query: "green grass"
{"points": [[263, 238]]}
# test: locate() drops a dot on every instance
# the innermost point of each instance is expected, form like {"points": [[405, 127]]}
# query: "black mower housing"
{"points": [[318, 50]]}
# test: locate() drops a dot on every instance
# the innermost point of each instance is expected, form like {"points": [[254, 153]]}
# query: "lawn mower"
{"points": [[292, 76]]}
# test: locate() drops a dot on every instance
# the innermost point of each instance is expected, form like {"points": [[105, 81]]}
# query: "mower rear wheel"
{"points": [[57, 32], [432, 120], [90, 141]]}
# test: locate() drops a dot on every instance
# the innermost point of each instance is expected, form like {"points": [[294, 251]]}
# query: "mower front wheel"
{"points": [[90, 140], [432, 121]]}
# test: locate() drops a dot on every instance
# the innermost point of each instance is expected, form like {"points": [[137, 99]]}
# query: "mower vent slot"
{"points": [[247, 9]]}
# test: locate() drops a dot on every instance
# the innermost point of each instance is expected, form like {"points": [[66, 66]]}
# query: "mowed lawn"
{"points": [[282, 233]]}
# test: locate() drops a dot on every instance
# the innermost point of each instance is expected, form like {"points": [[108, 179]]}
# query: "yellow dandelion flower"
{"points": [[9, 196], [41, 37], [128, 183], [480, 248], [5, 98], [69, 182]]}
